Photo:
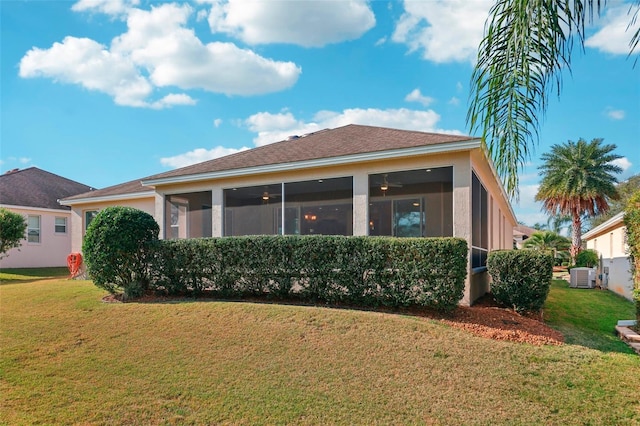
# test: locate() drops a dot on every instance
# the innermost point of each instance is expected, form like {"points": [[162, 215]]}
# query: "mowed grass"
{"points": [[587, 317], [30, 274], [68, 358]]}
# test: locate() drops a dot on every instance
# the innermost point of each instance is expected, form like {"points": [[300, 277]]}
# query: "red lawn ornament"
{"points": [[74, 262]]}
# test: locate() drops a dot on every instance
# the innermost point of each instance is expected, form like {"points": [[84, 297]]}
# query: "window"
{"points": [[322, 206], [479, 224], [33, 229], [319, 207], [412, 203], [188, 215], [89, 215], [61, 225]]}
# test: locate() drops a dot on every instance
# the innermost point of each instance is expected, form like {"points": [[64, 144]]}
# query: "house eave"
{"points": [[611, 223], [115, 197], [35, 209], [321, 162]]}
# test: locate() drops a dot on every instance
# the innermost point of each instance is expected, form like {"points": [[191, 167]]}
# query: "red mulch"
{"points": [[483, 319]]}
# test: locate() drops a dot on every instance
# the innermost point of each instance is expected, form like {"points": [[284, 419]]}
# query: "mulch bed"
{"points": [[484, 318]]}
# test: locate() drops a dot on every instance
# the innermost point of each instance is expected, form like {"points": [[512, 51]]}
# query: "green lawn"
{"points": [[68, 358], [31, 274], [587, 317]]}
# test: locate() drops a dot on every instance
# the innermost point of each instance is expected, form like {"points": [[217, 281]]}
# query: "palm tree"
{"points": [[577, 180], [558, 224], [526, 46], [548, 241]]}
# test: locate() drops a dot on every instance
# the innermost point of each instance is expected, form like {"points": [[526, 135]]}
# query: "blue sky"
{"points": [[107, 91]]}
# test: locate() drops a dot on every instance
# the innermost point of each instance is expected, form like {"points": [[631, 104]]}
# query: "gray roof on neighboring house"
{"points": [[343, 141], [33, 187]]}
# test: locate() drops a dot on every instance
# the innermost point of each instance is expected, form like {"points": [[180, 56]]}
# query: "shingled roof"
{"points": [[33, 187], [344, 141], [133, 187]]}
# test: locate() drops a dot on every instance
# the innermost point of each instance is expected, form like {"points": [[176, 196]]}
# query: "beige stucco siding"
{"points": [[147, 204], [501, 221]]}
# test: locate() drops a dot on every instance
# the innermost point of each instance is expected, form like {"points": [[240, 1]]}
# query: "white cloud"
{"points": [[623, 163], [217, 122], [417, 96], [276, 127], [615, 114], [528, 210], [174, 56], [454, 101], [109, 7], [174, 99], [87, 63], [616, 33], [445, 30], [305, 23], [24, 160], [198, 155], [158, 51]]}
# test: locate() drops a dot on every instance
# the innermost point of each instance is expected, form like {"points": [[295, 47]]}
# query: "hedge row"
{"points": [[521, 278], [364, 271]]}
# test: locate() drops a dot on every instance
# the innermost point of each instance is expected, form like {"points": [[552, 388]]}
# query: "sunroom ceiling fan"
{"points": [[385, 184]]}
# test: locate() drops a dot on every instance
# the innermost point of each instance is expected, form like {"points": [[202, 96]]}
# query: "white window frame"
{"points": [[31, 230], [56, 224]]}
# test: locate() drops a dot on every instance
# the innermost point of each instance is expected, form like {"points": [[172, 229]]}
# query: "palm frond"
{"points": [[527, 46]]}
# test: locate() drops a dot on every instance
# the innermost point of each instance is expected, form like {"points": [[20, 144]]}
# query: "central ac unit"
{"points": [[582, 278]]}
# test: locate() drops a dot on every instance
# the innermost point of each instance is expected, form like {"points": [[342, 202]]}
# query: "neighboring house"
{"points": [[520, 234], [352, 180], [34, 193], [609, 240]]}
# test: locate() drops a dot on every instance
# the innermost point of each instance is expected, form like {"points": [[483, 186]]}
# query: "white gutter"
{"points": [[132, 196], [331, 161], [615, 220], [35, 209]]}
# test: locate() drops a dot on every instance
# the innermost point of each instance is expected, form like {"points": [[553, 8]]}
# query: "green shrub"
{"points": [[360, 271], [632, 223], [115, 249], [588, 258], [521, 278], [12, 229]]}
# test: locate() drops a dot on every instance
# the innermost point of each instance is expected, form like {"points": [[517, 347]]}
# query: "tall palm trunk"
{"points": [[576, 236]]}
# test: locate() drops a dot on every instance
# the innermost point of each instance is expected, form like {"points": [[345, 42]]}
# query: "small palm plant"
{"points": [[548, 241], [578, 179]]}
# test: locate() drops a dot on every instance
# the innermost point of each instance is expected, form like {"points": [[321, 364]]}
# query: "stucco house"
{"points": [[351, 180], [520, 234], [614, 270], [34, 193]]}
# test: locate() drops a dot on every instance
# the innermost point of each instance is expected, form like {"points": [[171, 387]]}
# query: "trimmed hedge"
{"points": [[363, 271], [116, 249], [521, 278]]}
